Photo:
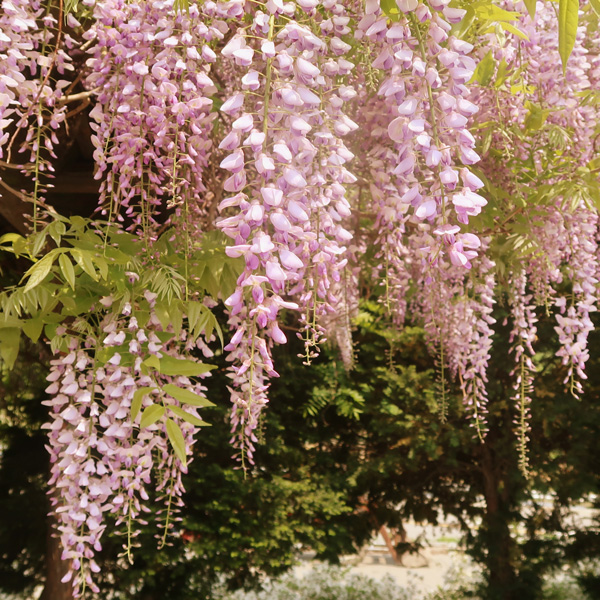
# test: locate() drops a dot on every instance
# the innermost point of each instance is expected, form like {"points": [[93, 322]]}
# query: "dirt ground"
{"points": [[425, 571], [441, 556]]}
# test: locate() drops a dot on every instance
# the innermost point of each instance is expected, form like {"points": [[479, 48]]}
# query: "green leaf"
{"points": [[152, 414], [181, 5], [38, 240], [56, 230], [102, 266], [501, 74], [595, 4], [10, 238], [536, 117], [142, 317], [200, 320], [177, 320], [228, 282], [117, 257], [164, 336], [136, 403], [181, 366], [152, 362], [485, 69], [568, 19], [530, 5], [162, 312], [189, 418], [33, 328], [390, 9], [78, 223], [185, 396], [514, 30], [126, 243], [194, 311], [38, 272], [84, 304], [219, 332], [495, 14], [66, 266], [209, 283], [9, 345], [177, 440], [70, 6], [84, 260]]}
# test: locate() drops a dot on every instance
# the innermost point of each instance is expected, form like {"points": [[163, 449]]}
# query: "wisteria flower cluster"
{"points": [[153, 116], [113, 425], [287, 162], [33, 68]]}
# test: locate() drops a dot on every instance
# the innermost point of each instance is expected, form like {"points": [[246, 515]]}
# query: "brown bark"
{"points": [[14, 210], [502, 576], [56, 568]]}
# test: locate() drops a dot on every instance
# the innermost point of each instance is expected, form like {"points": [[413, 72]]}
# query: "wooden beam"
{"points": [[14, 210]]}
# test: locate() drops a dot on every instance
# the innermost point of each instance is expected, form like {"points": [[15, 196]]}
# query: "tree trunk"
{"points": [[501, 575], [56, 568]]}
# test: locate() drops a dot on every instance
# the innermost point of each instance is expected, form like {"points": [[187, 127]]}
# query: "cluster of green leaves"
{"points": [[487, 17], [483, 17], [77, 263]]}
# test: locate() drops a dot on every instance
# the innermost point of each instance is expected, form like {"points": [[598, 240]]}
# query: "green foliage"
{"points": [[185, 396], [70, 6], [177, 440], [84, 270], [530, 5], [483, 17], [390, 9], [568, 20], [94, 262]]}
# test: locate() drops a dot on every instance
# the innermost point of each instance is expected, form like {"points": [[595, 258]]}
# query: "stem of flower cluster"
{"points": [[523, 419], [268, 76], [443, 408], [163, 541]]}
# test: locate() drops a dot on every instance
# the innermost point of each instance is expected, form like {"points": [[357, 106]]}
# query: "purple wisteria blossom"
{"points": [[105, 460]]}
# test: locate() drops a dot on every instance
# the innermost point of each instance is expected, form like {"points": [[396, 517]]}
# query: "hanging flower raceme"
{"points": [[32, 106], [522, 336], [545, 104], [153, 118], [383, 198], [425, 97], [457, 313], [574, 322], [119, 425], [560, 104], [287, 164], [543, 267], [422, 188]]}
